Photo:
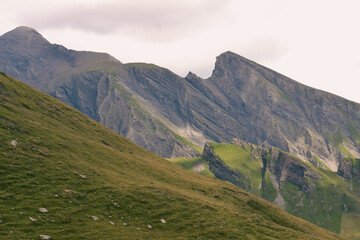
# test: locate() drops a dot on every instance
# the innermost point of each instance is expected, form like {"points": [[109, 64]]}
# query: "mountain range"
{"points": [[65, 176], [174, 116], [298, 149]]}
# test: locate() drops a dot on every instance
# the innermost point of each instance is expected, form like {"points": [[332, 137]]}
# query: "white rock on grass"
{"points": [[163, 220], [111, 222], [95, 218], [43, 210], [45, 236], [124, 223], [149, 226], [14, 143], [32, 219], [82, 175]]}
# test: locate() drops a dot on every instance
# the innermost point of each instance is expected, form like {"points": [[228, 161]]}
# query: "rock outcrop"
{"points": [[287, 168], [349, 168], [221, 170]]}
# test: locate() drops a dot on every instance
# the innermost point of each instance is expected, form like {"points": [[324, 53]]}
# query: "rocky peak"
{"points": [[24, 36], [191, 75], [227, 61]]}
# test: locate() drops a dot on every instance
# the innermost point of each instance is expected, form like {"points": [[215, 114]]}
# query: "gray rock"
{"points": [[43, 210], [45, 237], [13, 143]]}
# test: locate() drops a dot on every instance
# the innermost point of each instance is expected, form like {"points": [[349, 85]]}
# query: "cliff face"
{"points": [[171, 115], [219, 168], [99, 86], [272, 110], [314, 194], [279, 165], [287, 168]]}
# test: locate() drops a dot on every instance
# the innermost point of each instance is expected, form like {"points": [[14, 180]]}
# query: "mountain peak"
{"points": [[229, 56], [191, 75], [227, 61], [23, 31], [24, 35]]}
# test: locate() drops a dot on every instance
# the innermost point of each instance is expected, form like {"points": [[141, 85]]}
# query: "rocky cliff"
{"points": [[219, 168], [314, 194]]}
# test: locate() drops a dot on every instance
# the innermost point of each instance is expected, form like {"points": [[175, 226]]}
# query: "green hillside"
{"points": [[66, 176], [315, 194]]}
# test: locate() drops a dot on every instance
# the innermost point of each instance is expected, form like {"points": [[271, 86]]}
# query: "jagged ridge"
{"points": [[66, 176], [172, 116]]}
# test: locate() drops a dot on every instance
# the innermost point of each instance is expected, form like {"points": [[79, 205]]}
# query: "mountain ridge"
{"points": [[174, 116], [65, 176]]}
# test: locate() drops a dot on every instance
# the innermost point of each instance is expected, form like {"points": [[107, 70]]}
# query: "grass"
{"points": [[187, 142], [352, 130], [142, 65], [284, 97], [57, 146], [324, 205], [240, 160], [350, 226], [189, 164]]}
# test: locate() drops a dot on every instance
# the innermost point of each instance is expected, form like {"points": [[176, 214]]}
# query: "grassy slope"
{"points": [[323, 206], [124, 184], [189, 164]]}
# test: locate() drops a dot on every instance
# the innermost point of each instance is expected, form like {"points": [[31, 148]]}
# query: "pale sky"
{"points": [[315, 42]]}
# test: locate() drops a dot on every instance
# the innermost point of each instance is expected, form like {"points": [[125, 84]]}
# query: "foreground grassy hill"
{"points": [[66, 176], [328, 199]]}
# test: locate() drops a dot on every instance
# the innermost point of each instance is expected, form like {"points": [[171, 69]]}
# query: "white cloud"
{"points": [[314, 42]]}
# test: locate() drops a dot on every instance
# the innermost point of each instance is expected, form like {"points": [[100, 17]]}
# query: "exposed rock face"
{"points": [[286, 168], [347, 168], [147, 103], [314, 194], [221, 170], [94, 84], [282, 166]]}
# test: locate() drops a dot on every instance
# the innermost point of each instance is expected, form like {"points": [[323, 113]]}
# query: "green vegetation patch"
{"points": [[284, 97], [352, 130], [187, 163], [240, 160], [187, 142], [350, 226], [142, 65], [268, 191]]}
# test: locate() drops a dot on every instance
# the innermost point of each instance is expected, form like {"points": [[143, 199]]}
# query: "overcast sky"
{"points": [[315, 42]]}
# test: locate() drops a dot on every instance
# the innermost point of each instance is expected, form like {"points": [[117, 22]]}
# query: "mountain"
{"points": [[174, 116], [97, 85], [327, 199], [65, 176]]}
